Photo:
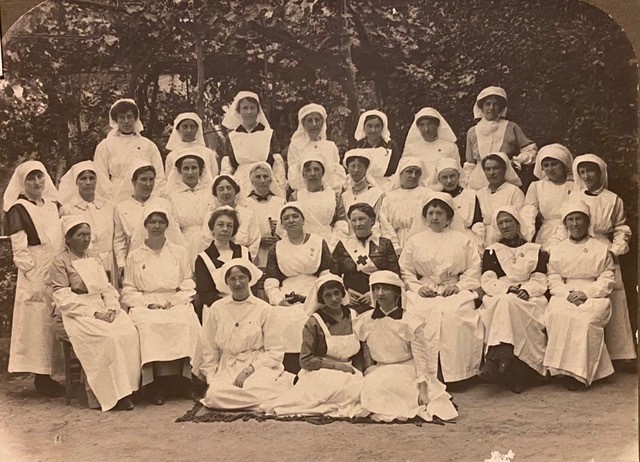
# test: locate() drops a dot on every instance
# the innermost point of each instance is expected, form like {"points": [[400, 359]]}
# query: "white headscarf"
{"points": [[576, 206], [511, 210], [219, 277], [391, 278], [16, 184], [174, 177], [232, 118], [313, 156], [290, 205], [510, 175], [445, 163], [444, 129], [554, 151], [313, 303], [405, 163], [604, 178], [300, 138], [175, 140], [68, 192], [489, 91], [172, 234], [69, 221], [137, 125], [360, 133]]}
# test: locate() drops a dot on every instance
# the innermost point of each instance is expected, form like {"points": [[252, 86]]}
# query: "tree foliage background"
{"points": [[567, 67]]}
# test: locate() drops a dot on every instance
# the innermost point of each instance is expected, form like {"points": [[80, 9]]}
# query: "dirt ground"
{"points": [[547, 423]]}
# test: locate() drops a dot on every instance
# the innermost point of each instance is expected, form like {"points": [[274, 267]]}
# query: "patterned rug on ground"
{"points": [[200, 414]]}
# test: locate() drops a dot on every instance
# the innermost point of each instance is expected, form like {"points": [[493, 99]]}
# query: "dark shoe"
{"points": [[45, 385], [124, 404], [489, 372], [188, 391], [155, 394], [573, 384]]}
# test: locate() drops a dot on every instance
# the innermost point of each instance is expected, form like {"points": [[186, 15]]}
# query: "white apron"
{"points": [[490, 136], [319, 209]]}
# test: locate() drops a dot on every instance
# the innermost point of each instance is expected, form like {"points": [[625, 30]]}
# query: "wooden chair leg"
{"points": [[68, 383]]}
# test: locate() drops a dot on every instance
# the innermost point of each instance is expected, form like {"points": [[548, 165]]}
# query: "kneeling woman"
{"points": [[158, 288], [328, 382], [103, 337], [242, 352], [514, 281], [398, 383]]}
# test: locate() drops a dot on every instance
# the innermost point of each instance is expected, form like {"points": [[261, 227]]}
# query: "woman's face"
{"points": [[373, 129], [79, 241], [86, 183], [248, 111], [312, 124], [261, 180], [385, 295], [143, 185], [357, 169], [292, 221], [223, 229], [312, 172], [508, 226], [494, 171], [361, 223], [190, 172], [410, 177], [449, 179], [156, 225], [491, 107], [188, 129], [577, 223], [554, 169], [591, 175], [332, 297], [34, 184], [428, 127], [238, 282], [126, 121], [436, 217], [226, 193]]}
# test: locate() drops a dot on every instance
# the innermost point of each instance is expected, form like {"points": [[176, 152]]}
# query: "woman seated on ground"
{"points": [[265, 205], [330, 380], [362, 253], [398, 383], [103, 337], [514, 281], [242, 352], [187, 135], [581, 278], [293, 265], [442, 266], [502, 190], [322, 206], [225, 192], [158, 289], [360, 186], [223, 224]]}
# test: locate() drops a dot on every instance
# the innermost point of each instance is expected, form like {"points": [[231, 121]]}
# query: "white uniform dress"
{"points": [[236, 335], [398, 210], [545, 198], [576, 345], [453, 328], [320, 214], [430, 152], [109, 352], [506, 194], [507, 318], [165, 335]]}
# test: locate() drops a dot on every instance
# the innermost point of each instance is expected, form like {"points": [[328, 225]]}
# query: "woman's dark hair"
{"points": [[184, 120], [316, 161], [364, 208], [73, 230], [588, 162], [85, 171], [501, 101], [427, 117], [251, 99], [366, 161], [158, 213], [242, 269], [330, 285], [123, 106], [495, 157], [371, 117], [224, 213], [200, 161], [34, 174], [439, 203], [219, 180], [293, 208], [141, 170]]}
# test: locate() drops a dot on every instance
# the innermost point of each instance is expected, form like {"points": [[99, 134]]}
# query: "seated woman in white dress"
{"points": [[322, 206], [609, 224], [84, 189], [189, 192], [399, 383], [310, 139], [265, 205], [545, 196], [330, 380], [442, 266], [430, 138], [514, 282], [187, 135], [158, 289], [124, 144], [360, 186], [293, 265], [502, 190], [104, 339], [242, 352], [581, 278], [225, 193], [402, 203]]}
